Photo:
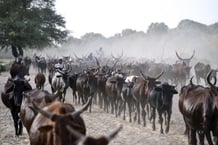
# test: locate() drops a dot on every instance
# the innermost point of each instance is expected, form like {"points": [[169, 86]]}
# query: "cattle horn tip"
{"points": [[85, 107], [114, 133], [75, 133]]}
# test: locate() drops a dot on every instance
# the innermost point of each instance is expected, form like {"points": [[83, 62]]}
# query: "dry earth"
{"points": [[98, 122]]}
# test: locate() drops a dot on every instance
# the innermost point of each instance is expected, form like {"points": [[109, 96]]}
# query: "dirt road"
{"points": [[98, 122]]}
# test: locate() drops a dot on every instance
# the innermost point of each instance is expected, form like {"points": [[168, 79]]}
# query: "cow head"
{"points": [[167, 92], [89, 140], [151, 82], [186, 61], [60, 120]]}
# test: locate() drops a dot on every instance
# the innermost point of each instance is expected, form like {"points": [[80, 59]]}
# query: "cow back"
{"points": [[40, 98], [45, 131]]}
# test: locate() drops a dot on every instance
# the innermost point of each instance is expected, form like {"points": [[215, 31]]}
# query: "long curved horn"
{"points": [[85, 107], [158, 76], [192, 55], [75, 133], [43, 112], [208, 79], [191, 83], [114, 133], [143, 75], [179, 56]]}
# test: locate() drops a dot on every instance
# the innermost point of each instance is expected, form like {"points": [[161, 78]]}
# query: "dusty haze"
{"points": [[158, 43]]}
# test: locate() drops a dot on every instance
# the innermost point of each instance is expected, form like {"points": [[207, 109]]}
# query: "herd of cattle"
{"points": [[142, 88]]}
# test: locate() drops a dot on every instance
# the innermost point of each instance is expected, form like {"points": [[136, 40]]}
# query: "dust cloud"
{"points": [[159, 43]]}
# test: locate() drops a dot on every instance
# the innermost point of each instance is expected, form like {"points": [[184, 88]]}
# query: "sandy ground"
{"points": [[98, 122]]}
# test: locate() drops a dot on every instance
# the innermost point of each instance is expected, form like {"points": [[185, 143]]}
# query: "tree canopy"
{"points": [[30, 24]]}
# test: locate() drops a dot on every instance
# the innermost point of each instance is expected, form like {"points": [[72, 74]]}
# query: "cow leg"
{"points": [[20, 125], [124, 110], [121, 106], [130, 110], [201, 137], [106, 101], [138, 112], [148, 111], [100, 99], [143, 113], [116, 106], [208, 136], [192, 140], [167, 121], [112, 104], [161, 121], [153, 115]]}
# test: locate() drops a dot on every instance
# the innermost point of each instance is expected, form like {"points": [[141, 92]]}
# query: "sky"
{"points": [[109, 17]]}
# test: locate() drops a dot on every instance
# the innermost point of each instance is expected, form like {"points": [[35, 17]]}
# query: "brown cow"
{"points": [[49, 126], [40, 98], [40, 80], [113, 89], [89, 140], [196, 106], [86, 85], [141, 90]]}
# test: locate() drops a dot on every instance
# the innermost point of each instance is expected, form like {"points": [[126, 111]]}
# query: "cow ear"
{"points": [[158, 88], [45, 128], [174, 91], [158, 82]]}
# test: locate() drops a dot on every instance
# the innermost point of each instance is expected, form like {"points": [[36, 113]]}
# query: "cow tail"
{"points": [[208, 111], [207, 115]]}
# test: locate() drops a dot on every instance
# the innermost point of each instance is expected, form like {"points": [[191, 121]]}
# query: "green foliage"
{"points": [[30, 23]]}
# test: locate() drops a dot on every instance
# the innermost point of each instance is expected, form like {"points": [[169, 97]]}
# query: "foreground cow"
{"points": [[198, 106], [37, 96], [161, 98], [49, 126], [89, 140]]}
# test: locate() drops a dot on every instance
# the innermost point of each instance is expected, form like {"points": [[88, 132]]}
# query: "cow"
{"points": [[12, 98], [40, 80], [72, 84], [86, 85], [161, 99], [126, 95], [41, 63], [140, 91], [196, 105], [58, 86], [60, 82], [40, 97], [181, 69], [113, 89], [89, 140], [201, 71], [49, 126]]}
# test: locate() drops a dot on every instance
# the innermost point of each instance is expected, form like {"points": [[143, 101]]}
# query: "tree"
{"points": [[30, 23], [157, 28]]}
